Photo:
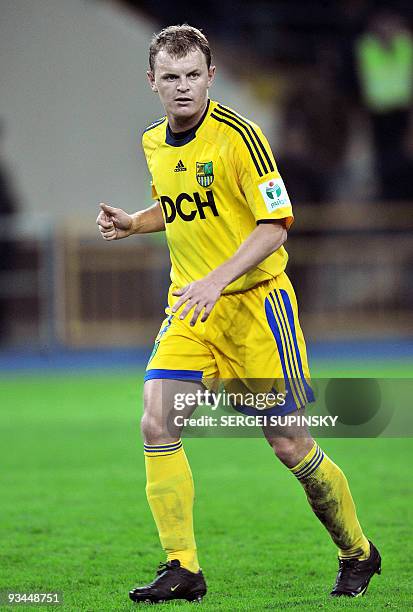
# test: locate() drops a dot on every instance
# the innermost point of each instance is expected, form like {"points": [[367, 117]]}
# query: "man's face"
{"points": [[182, 83]]}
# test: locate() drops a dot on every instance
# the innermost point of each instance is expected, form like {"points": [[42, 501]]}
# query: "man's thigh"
{"points": [[290, 426]]}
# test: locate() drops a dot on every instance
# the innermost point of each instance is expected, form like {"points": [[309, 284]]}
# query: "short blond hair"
{"points": [[178, 41]]}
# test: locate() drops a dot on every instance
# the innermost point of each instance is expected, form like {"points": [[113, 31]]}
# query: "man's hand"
{"points": [[203, 294], [200, 295], [114, 223]]}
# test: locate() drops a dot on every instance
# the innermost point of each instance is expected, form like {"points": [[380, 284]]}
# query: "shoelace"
{"points": [[162, 567], [349, 565]]}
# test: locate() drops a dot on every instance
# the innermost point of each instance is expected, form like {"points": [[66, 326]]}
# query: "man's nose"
{"points": [[183, 84]]}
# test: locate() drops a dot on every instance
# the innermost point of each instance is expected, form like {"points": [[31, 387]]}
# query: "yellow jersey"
{"points": [[214, 183]]}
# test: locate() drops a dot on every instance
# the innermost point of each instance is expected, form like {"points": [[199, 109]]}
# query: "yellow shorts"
{"points": [[250, 335]]}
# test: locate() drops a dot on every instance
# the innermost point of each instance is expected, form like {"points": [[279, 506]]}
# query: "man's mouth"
{"points": [[183, 100]]}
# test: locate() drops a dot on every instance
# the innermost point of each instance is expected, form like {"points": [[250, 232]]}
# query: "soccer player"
{"points": [[232, 311]]}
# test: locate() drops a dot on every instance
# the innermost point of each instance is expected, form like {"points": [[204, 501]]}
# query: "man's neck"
{"points": [[183, 124]]}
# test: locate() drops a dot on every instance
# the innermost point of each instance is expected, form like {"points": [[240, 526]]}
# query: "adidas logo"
{"points": [[180, 166]]}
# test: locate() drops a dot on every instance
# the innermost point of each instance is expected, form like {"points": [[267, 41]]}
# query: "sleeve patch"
{"points": [[274, 194]]}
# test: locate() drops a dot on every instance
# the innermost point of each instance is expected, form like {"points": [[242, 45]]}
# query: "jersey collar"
{"points": [[182, 138]]}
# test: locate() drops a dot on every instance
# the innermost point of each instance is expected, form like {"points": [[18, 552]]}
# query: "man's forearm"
{"points": [[264, 240], [148, 220]]}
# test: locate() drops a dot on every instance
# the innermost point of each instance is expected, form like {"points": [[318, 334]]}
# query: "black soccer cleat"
{"points": [[354, 575], [172, 582]]}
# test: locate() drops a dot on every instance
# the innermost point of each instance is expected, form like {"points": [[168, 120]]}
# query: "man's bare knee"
{"points": [[154, 423], [158, 422], [153, 431], [291, 451]]}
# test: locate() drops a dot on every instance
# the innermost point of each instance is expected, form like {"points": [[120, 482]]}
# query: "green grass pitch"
{"points": [[74, 516]]}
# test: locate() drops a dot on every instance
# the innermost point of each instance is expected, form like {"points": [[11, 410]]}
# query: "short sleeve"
{"points": [[259, 178], [154, 192], [148, 149]]}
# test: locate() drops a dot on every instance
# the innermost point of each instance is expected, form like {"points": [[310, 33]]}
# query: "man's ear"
{"points": [[151, 80], [211, 75]]}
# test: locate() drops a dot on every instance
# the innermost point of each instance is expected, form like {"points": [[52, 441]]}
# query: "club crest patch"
{"points": [[205, 173]]}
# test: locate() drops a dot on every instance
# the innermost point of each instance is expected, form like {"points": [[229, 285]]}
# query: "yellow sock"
{"points": [[170, 493], [329, 496]]}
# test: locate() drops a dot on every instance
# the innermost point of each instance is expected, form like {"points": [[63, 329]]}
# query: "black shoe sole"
{"points": [[196, 597], [193, 597]]}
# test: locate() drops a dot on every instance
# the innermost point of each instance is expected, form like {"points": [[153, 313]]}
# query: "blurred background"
{"points": [[331, 85]]}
